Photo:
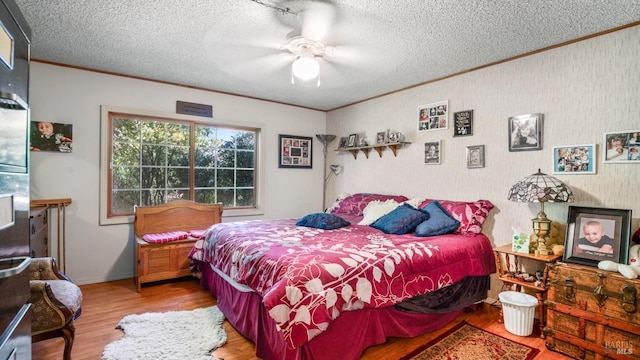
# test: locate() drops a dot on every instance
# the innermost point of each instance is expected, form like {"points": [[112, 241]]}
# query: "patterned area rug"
{"points": [[465, 341]]}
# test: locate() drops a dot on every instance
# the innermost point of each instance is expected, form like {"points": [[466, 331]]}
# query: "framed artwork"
{"points": [[48, 136], [596, 234], [574, 159], [295, 152], [463, 123], [475, 156], [433, 116], [525, 132], [343, 142], [353, 140], [432, 152], [381, 138], [622, 147]]}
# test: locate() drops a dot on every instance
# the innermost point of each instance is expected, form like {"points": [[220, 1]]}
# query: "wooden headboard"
{"points": [[182, 215]]}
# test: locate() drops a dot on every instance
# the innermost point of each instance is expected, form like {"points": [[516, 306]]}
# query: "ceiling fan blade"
{"points": [[316, 19]]}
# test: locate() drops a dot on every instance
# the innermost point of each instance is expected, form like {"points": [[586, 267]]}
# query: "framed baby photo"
{"points": [[596, 234], [432, 152], [434, 116], [525, 132], [622, 147], [50, 136], [475, 156], [295, 152], [574, 159]]}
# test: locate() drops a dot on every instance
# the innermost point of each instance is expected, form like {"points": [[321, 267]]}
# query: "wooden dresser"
{"points": [[163, 261], [592, 313]]}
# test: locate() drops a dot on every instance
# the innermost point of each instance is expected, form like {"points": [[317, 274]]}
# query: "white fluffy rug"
{"points": [[171, 335]]}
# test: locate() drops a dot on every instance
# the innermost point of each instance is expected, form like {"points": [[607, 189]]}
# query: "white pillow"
{"points": [[377, 209], [415, 201]]}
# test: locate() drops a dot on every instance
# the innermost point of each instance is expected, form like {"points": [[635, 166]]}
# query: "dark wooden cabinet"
{"points": [[39, 231]]}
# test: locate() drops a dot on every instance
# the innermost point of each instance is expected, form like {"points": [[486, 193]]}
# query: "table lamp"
{"points": [[541, 188]]}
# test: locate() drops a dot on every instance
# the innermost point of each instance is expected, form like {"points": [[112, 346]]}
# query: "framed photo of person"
{"points": [[49, 136], [596, 234], [432, 152], [353, 140], [381, 138], [433, 116], [622, 147], [295, 152], [574, 159], [475, 156], [525, 132], [343, 142], [463, 123]]}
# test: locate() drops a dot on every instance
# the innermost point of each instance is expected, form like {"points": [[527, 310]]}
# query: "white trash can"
{"points": [[518, 310]]}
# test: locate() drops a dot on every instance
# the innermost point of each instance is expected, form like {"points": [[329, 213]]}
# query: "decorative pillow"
{"points": [[323, 221], [401, 220], [470, 214], [376, 209], [197, 233], [165, 237], [355, 204], [439, 222]]}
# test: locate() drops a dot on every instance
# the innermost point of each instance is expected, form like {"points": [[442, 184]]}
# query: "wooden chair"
{"points": [[55, 303]]}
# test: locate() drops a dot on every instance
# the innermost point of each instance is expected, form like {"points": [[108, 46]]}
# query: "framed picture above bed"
{"points": [[434, 116], [622, 147], [463, 123], [525, 132], [295, 152], [574, 159], [432, 152], [475, 156]]}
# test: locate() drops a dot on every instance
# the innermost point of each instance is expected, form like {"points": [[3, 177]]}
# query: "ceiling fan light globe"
{"points": [[305, 68]]}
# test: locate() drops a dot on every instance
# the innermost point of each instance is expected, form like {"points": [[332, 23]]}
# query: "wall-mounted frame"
{"points": [[622, 147], [433, 116], [432, 152], [525, 132], [463, 123], [48, 136], [574, 159], [596, 234], [353, 140], [295, 152], [475, 156], [343, 142]]}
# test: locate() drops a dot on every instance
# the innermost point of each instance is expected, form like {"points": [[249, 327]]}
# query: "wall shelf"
{"points": [[379, 148]]}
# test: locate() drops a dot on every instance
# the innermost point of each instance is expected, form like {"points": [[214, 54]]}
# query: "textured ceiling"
{"points": [[377, 46]]}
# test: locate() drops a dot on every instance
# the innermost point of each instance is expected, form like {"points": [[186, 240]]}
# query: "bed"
{"points": [[314, 290]]}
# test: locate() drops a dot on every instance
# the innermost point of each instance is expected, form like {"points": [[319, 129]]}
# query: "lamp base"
{"points": [[541, 227]]}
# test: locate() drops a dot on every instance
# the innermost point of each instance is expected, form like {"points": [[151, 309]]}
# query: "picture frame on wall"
{"points": [[475, 156], [596, 234], [463, 123], [525, 132], [434, 116], [49, 136], [622, 147], [295, 152], [432, 152], [574, 159]]}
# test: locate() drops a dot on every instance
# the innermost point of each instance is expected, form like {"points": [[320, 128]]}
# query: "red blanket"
{"points": [[307, 277]]}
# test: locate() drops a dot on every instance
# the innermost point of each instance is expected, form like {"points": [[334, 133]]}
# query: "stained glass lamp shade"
{"points": [[541, 188]]}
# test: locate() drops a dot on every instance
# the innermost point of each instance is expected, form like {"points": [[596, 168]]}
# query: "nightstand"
{"points": [[508, 271]]}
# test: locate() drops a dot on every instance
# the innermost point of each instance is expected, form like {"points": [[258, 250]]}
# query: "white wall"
{"points": [[63, 95], [583, 90]]}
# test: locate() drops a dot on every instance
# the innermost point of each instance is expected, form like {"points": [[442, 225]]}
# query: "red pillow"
{"points": [[470, 214], [165, 237], [355, 204]]}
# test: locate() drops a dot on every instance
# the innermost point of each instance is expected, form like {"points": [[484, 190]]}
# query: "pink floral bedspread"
{"points": [[307, 277]]}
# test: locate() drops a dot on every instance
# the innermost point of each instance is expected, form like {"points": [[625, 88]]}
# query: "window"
{"points": [[150, 159]]}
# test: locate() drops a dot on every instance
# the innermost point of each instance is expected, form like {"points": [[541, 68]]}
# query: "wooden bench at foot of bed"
{"points": [[163, 261]]}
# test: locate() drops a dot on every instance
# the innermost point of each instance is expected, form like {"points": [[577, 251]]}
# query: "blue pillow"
{"points": [[400, 220], [323, 221], [439, 222]]}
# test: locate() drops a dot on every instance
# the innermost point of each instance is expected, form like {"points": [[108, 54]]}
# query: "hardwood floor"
{"points": [[106, 303]]}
